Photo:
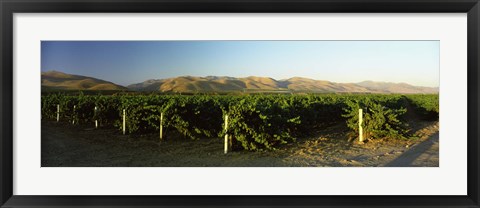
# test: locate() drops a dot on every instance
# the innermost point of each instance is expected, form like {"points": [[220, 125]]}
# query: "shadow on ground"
{"points": [[418, 154]]}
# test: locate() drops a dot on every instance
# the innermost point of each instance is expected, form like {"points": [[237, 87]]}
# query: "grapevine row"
{"points": [[255, 121]]}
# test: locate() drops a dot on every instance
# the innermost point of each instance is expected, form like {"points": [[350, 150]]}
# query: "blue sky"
{"points": [[128, 62]]}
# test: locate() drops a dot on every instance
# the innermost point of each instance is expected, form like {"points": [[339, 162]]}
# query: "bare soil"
{"points": [[64, 145]]}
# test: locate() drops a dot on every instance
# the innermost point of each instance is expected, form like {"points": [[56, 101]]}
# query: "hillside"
{"points": [[396, 87], [190, 84], [54, 80]]}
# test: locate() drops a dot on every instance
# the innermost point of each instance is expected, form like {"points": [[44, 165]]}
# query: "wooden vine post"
{"points": [[226, 135], [58, 112], [123, 122], [95, 114], [161, 126], [73, 115], [360, 128]]}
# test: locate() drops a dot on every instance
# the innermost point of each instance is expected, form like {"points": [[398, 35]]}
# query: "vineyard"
{"points": [[255, 121]]}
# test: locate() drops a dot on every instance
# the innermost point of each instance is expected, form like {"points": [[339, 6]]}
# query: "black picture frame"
{"points": [[9, 7]]}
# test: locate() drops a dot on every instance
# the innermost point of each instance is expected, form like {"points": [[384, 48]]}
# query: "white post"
{"points": [[58, 113], [123, 121], [73, 115], [161, 126], [360, 128], [96, 122], [226, 135]]}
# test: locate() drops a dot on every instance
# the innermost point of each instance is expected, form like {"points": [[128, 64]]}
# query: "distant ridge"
{"points": [[55, 80], [190, 84], [402, 88]]}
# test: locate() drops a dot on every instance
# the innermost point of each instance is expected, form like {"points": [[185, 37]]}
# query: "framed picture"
{"points": [[239, 103]]}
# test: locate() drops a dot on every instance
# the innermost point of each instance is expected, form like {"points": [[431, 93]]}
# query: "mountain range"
{"points": [[54, 80], [190, 84]]}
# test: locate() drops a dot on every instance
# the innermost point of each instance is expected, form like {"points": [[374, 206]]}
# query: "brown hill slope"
{"points": [[191, 84], [396, 87], [54, 80]]}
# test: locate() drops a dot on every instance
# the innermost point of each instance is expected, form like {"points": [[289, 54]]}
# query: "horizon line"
{"points": [[245, 77]]}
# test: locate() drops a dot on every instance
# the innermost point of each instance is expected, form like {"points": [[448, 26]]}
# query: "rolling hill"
{"points": [[402, 88], [190, 84], [54, 80]]}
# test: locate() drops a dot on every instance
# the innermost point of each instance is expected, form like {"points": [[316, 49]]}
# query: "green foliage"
{"points": [[381, 116], [256, 122], [261, 122], [427, 106]]}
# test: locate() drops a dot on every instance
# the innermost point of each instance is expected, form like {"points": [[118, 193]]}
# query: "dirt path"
{"points": [[333, 150], [421, 155], [64, 145]]}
